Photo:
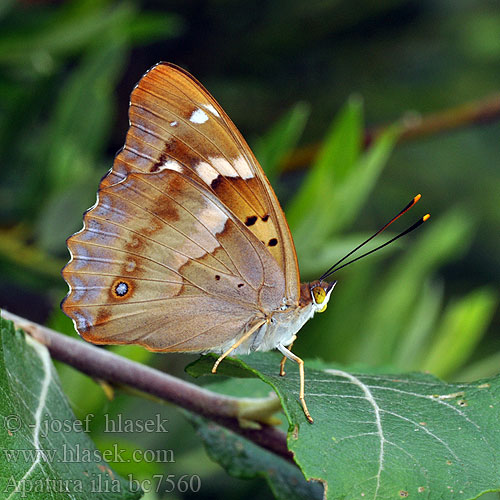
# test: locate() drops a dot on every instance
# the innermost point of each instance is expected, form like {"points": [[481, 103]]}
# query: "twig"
{"points": [[415, 126], [102, 364]]}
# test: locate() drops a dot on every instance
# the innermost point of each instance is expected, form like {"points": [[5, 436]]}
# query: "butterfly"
{"points": [[187, 248]]}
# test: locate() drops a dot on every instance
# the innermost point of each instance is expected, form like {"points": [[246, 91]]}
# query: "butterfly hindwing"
{"points": [[162, 262]]}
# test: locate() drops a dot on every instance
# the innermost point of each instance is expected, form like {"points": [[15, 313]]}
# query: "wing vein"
{"points": [[163, 244], [222, 126], [219, 205]]}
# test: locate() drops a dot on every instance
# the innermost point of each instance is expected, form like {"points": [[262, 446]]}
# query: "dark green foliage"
{"points": [[289, 73]]}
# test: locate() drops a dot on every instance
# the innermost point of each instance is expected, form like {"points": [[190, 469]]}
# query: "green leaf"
{"points": [[412, 349], [272, 148], [66, 31], [440, 240], [385, 436], [243, 459], [339, 183], [352, 194], [340, 150], [462, 327], [44, 448], [75, 139], [487, 366], [81, 122]]}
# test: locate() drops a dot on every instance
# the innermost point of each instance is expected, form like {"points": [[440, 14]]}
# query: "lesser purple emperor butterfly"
{"points": [[187, 248]]}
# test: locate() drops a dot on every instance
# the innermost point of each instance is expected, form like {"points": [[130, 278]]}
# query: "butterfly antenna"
{"points": [[336, 266], [406, 231]]}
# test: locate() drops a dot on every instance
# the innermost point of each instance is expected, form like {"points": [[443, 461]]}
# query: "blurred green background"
{"points": [[290, 74]]}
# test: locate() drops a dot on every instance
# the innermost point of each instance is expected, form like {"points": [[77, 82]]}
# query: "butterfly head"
{"points": [[320, 293]]}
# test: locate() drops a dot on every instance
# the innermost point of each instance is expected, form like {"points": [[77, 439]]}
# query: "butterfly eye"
{"points": [[319, 294]]}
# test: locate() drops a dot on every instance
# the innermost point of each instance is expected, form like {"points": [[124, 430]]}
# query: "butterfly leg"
{"points": [[290, 355], [237, 344], [283, 361]]}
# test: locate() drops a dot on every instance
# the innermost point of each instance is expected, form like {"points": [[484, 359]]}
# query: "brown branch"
{"points": [[415, 126], [102, 364]]}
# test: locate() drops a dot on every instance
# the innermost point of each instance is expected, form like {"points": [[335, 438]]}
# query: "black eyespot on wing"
{"points": [[265, 218], [121, 289], [272, 242], [240, 285], [217, 277], [251, 220]]}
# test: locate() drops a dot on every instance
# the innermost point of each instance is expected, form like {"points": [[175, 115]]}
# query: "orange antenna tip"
{"points": [[337, 265]]}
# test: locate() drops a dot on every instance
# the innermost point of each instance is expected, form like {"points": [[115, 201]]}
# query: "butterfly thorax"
{"points": [[282, 325]]}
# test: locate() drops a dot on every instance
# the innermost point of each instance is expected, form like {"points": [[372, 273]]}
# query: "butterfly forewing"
{"points": [[175, 124]]}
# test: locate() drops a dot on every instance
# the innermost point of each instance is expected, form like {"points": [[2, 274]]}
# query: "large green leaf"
{"points": [[82, 117], [413, 346], [75, 138], [385, 436], [244, 459], [44, 448]]}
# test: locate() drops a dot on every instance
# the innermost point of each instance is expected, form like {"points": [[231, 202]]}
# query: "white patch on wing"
{"points": [[206, 172], [173, 124], [223, 166], [211, 109], [243, 168], [170, 165], [198, 116], [213, 219], [217, 165]]}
